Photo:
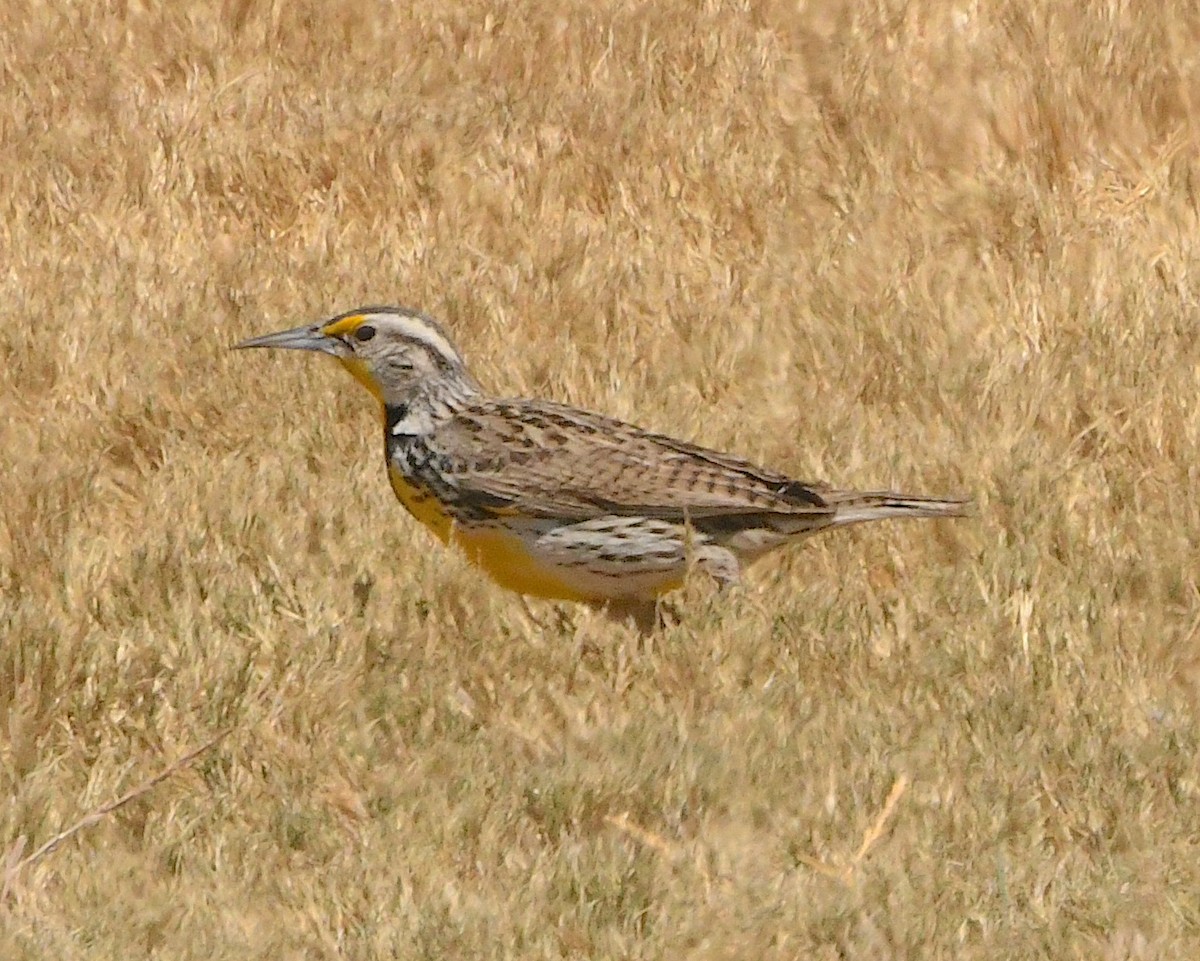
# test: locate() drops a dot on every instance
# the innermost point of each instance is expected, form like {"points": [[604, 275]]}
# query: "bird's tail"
{"points": [[854, 507]]}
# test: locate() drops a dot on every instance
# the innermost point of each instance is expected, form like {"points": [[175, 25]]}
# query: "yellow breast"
{"points": [[420, 502], [501, 553], [508, 557]]}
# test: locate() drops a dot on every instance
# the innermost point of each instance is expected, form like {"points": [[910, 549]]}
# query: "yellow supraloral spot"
{"points": [[358, 370], [343, 326]]}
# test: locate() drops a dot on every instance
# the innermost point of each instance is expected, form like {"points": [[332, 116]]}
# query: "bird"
{"points": [[557, 502]]}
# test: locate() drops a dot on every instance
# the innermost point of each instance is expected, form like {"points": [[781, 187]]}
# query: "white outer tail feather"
{"points": [[881, 505]]}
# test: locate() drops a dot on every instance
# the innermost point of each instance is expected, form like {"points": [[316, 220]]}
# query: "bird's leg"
{"points": [[644, 616], [720, 563]]}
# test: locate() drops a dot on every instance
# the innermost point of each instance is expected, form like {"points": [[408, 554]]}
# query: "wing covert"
{"points": [[548, 460]]}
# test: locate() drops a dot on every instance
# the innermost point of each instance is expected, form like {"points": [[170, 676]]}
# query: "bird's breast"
{"points": [[421, 501], [418, 484]]}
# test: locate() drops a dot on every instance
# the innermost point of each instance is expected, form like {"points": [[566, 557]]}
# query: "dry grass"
{"points": [[944, 246]]}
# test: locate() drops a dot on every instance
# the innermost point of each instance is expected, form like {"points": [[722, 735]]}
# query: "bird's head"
{"points": [[396, 353]]}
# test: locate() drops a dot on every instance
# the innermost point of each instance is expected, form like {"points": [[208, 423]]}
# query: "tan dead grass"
{"points": [[945, 246]]}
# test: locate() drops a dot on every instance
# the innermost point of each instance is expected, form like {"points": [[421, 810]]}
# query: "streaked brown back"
{"points": [[549, 460]]}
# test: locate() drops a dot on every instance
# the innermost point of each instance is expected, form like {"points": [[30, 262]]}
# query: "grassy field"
{"points": [[938, 246]]}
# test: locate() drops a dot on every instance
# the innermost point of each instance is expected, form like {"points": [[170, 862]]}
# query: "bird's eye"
{"points": [[365, 332]]}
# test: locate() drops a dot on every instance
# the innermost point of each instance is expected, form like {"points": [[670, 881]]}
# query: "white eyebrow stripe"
{"points": [[416, 329]]}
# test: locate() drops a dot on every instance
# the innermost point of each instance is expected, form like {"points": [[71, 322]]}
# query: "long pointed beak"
{"points": [[298, 338]]}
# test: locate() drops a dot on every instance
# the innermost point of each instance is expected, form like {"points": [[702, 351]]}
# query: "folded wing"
{"points": [[547, 460]]}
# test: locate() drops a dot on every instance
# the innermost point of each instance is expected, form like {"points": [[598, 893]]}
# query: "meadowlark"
{"points": [[556, 502]]}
